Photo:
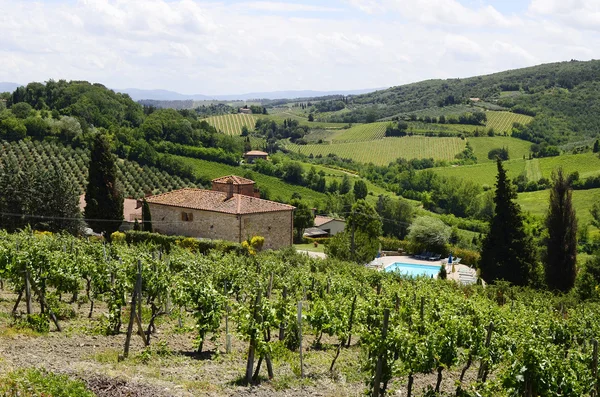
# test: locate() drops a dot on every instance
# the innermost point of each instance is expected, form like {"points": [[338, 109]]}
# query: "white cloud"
{"points": [[287, 7], [575, 13], [199, 47]]}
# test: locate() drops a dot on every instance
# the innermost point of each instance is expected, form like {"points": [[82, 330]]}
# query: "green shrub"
{"points": [[35, 322], [393, 244], [319, 240], [195, 245], [468, 257], [38, 382]]}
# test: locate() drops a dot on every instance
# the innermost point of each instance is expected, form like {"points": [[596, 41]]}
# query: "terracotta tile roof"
{"points": [[236, 180], [321, 220], [211, 200], [256, 153]]}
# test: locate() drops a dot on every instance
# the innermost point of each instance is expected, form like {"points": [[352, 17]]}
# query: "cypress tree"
{"points": [[561, 244], [507, 252], [146, 217], [596, 146], [104, 201]]}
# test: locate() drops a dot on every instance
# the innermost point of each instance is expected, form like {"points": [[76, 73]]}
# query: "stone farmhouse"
{"points": [[253, 155], [230, 211]]}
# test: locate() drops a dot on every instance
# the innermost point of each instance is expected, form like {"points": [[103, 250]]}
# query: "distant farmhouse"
{"points": [[230, 211], [245, 111], [254, 155], [325, 227]]}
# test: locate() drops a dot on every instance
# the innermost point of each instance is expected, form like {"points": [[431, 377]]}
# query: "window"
{"points": [[187, 216]]}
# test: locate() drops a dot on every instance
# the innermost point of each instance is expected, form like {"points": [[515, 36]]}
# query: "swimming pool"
{"points": [[413, 270]]}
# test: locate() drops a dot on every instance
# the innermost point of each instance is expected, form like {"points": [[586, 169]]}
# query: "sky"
{"points": [[240, 46]]}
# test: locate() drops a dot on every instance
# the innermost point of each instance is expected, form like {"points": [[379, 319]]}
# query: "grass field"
{"points": [[231, 124], [276, 187], [279, 117], [384, 151], [517, 148], [503, 121], [483, 174], [587, 164], [536, 203]]}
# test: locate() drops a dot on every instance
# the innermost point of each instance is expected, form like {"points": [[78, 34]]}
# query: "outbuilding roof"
{"points": [[236, 180], [211, 200], [321, 220], [256, 153]]}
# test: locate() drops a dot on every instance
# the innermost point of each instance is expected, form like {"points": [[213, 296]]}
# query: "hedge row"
{"points": [[166, 242]]}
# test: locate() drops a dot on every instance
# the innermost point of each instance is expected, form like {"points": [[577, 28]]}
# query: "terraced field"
{"points": [[361, 132], [231, 124], [383, 151], [503, 121]]}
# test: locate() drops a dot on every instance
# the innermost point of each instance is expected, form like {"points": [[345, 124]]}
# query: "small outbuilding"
{"points": [[331, 226], [254, 155]]}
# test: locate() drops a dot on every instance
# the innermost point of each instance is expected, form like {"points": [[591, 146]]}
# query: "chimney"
{"points": [[229, 189]]}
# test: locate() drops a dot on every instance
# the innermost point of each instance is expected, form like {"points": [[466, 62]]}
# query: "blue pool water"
{"points": [[413, 270]]}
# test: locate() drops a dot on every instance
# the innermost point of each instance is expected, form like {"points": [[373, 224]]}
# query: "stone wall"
{"points": [[205, 224], [275, 227]]}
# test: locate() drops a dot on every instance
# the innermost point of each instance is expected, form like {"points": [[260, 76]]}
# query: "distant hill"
{"points": [[8, 87], [165, 95], [563, 97]]}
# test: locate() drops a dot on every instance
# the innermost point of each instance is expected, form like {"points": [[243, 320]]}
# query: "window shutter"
{"points": [[190, 216], [183, 216]]}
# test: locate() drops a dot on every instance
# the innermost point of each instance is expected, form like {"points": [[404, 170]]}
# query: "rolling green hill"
{"points": [[587, 164], [278, 189], [384, 151], [564, 97]]}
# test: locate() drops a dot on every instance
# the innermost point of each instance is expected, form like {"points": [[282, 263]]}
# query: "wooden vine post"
{"points": [[483, 369], [595, 367], [282, 325], [350, 320], [381, 357], [136, 298], [253, 336], [27, 291], [300, 338]]}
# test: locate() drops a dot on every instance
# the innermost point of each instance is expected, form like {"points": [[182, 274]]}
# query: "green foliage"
{"points": [[103, 198], [507, 252], [146, 217], [36, 322], [498, 153], [360, 189], [428, 234], [40, 383], [396, 215], [561, 243], [303, 217], [21, 203]]}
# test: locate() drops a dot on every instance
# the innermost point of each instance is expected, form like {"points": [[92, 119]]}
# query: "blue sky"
{"points": [[237, 46]]}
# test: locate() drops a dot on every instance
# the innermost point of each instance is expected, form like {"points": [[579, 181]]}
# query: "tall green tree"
{"points": [[507, 252], [146, 217], [346, 185], [103, 198], [303, 218], [360, 189], [561, 244]]}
